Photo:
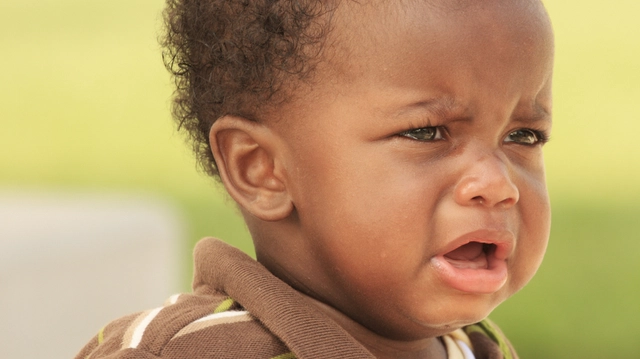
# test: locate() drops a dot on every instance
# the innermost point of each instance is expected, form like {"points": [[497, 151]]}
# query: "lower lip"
{"points": [[474, 281]]}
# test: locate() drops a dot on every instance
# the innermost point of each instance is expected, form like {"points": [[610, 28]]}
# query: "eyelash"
{"points": [[415, 133], [541, 137], [438, 133]]}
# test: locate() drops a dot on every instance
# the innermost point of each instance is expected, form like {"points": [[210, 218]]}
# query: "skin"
{"points": [[429, 136]]}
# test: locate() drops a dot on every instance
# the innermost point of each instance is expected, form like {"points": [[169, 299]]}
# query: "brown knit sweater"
{"points": [[240, 310]]}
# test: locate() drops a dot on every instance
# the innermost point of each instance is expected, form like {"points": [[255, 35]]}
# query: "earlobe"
{"points": [[247, 155]]}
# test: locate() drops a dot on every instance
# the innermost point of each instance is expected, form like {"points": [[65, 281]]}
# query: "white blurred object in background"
{"points": [[70, 263]]}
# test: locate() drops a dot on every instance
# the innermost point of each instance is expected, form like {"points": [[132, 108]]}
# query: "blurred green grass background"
{"points": [[84, 105]]}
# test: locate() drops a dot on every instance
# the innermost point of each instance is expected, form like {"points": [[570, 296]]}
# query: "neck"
{"points": [[382, 347]]}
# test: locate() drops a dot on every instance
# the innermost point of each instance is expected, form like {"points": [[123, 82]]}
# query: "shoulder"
{"points": [[489, 341], [187, 326]]}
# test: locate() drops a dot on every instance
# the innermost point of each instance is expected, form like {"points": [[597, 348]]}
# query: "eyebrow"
{"points": [[446, 106], [440, 106], [540, 113]]}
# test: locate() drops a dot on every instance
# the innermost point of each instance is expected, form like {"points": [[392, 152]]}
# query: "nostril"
{"points": [[508, 202]]}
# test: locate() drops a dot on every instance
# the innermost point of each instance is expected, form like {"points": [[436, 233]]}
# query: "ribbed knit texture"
{"points": [[240, 310], [308, 333]]}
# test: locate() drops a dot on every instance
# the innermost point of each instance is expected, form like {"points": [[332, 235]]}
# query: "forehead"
{"points": [[387, 15], [467, 58], [377, 31]]}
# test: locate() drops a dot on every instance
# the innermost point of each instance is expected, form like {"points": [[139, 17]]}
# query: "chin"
{"points": [[470, 310]]}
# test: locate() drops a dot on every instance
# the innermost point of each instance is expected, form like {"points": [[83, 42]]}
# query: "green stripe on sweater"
{"points": [[487, 329], [285, 356], [101, 336], [224, 306]]}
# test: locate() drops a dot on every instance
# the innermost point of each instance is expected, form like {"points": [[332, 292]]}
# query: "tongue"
{"points": [[468, 256]]}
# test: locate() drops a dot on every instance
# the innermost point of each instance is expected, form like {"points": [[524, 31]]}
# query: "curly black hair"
{"points": [[237, 57]]}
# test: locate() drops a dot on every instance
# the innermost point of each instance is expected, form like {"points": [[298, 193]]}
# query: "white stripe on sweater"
{"points": [[139, 331], [468, 354], [227, 314]]}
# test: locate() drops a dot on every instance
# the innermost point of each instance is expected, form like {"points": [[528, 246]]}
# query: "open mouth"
{"points": [[473, 255], [475, 265]]}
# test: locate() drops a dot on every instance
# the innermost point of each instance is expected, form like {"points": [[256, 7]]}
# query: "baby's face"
{"points": [[417, 174]]}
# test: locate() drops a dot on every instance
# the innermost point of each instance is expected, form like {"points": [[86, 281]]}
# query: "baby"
{"points": [[387, 159]]}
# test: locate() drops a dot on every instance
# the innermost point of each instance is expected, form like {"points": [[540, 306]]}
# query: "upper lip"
{"points": [[502, 239]]}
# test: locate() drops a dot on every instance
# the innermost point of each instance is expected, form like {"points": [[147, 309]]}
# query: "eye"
{"points": [[430, 133], [525, 136]]}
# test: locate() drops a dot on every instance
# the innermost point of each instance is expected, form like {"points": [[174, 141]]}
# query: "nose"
{"points": [[488, 182]]}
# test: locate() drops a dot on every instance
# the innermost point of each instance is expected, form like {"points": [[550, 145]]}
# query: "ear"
{"points": [[247, 155]]}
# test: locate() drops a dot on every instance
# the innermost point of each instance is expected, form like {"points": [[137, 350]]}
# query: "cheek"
{"points": [[359, 183], [534, 233], [368, 216]]}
